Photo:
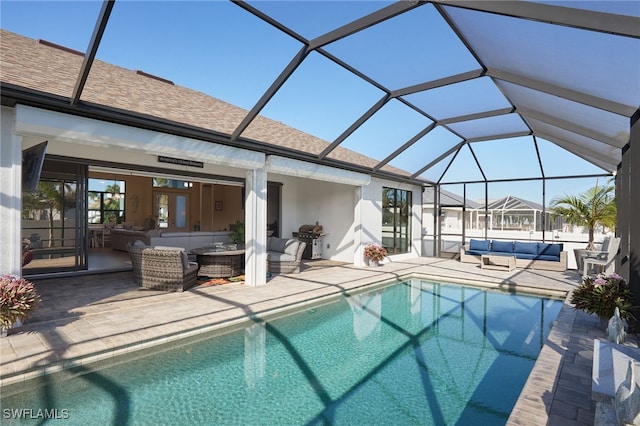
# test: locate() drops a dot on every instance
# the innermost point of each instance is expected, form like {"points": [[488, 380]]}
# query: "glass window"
{"points": [[396, 220], [105, 201]]}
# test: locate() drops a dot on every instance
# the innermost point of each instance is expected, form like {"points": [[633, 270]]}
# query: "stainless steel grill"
{"points": [[312, 235]]}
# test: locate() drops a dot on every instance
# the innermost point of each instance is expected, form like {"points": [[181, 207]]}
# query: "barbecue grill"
{"points": [[312, 235]]}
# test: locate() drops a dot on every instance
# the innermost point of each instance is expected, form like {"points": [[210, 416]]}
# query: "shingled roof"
{"points": [[53, 70]]}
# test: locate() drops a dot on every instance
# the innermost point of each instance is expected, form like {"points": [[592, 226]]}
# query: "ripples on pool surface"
{"points": [[416, 352]]}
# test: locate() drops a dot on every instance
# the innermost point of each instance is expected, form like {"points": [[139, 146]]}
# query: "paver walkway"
{"points": [[86, 318]]}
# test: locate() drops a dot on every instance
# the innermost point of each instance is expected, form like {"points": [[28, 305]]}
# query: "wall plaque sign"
{"points": [[180, 161]]}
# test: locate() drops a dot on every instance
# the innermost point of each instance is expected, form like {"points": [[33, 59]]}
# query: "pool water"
{"points": [[416, 352]]}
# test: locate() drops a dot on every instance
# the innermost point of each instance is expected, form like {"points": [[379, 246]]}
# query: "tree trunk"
{"points": [[591, 246]]}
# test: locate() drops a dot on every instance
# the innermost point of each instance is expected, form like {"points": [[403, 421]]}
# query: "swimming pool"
{"points": [[416, 352]]}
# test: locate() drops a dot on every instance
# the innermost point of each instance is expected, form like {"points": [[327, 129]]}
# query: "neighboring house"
{"points": [[451, 210], [515, 214], [506, 214], [137, 130]]}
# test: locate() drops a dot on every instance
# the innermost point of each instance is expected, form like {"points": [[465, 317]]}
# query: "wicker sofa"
{"points": [[162, 268], [284, 255]]}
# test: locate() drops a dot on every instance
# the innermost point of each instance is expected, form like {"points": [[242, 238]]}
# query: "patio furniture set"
{"points": [[508, 255], [168, 268]]}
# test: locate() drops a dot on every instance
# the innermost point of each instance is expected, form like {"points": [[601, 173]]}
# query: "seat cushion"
{"points": [[525, 248], [547, 257], [276, 256], [476, 252], [482, 245], [527, 256], [502, 246]]}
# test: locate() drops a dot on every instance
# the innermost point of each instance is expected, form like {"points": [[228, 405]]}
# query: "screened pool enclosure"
{"points": [[481, 99]]}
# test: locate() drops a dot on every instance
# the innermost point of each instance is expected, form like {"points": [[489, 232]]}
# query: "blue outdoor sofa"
{"points": [[546, 256]]}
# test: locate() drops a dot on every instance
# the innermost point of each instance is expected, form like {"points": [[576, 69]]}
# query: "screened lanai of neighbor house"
{"points": [[340, 114]]}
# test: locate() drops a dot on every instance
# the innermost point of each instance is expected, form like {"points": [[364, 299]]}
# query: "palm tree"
{"points": [[594, 207]]}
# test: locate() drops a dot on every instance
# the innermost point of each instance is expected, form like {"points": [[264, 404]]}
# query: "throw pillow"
{"points": [[502, 246], [526, 247], [479, 245], [278, 244], [549, 249]]}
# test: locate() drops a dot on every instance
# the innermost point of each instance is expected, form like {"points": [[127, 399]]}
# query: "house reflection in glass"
{"points": [[367, 309], [255, 338]]}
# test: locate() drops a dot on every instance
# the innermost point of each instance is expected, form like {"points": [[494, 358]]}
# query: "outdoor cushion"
{"points": [[277, 244], [477, 252], [502, 246], [549, 249], [482, 245], [291, 247], [527, 256], [139, 243], [548, 257], [525, 248], [274, 256]]}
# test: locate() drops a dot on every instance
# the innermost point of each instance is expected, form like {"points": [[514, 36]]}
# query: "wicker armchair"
{"points": [[279, 262], [166, 269]]}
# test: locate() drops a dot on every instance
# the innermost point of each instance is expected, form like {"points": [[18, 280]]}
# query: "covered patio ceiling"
{"points": [[448, 91]]}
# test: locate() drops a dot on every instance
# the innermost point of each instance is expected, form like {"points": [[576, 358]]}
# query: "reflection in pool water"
{"points": [[416, 352]]}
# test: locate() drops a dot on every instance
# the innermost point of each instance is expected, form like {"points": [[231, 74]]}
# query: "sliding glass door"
{"points": [[53, 219], [396, 220]]}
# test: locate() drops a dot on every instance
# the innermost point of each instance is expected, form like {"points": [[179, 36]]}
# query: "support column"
{"points": [[623, 213], [633, 154], [255, 214], [10, 194], [358, 255]]}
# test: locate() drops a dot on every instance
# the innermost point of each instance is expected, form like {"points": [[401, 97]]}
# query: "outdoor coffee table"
{"points": [[498, 262], [217, 263]]}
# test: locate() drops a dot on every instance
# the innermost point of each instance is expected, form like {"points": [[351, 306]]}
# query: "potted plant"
{"points": [[374, 253], [237, 232], [601, 295], [18, 298]]}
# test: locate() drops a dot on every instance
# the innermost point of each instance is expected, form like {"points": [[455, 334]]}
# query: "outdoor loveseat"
{"points": [[535, 255], [162, 268], [284, 255]]}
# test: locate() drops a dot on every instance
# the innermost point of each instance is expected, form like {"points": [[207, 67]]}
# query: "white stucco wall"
{"points": [[339, 208], [332, 206]]}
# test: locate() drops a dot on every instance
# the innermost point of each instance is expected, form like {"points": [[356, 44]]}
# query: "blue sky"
{"points": [[219, 49]]}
